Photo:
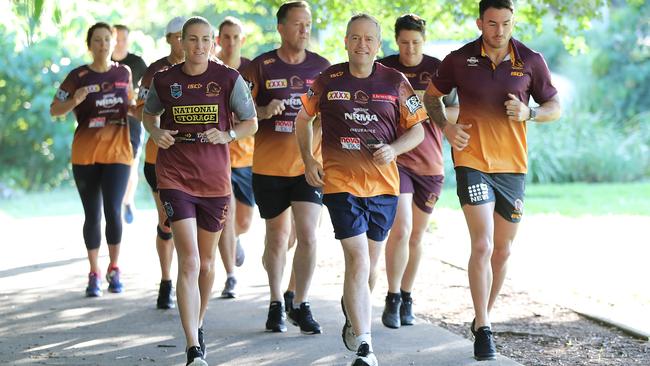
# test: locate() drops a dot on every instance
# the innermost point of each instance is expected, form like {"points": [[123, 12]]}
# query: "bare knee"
{"points": [[482, 248], [207, 265], [501, 254], [400, 233], [190, 266]]}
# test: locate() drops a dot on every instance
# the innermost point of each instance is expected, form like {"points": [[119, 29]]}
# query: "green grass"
{"points": [[575, 199]]}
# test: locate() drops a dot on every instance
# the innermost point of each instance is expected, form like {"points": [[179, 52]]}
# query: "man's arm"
{"points": [[517, 111], [455, 133], [305, 135], [406, 142]]}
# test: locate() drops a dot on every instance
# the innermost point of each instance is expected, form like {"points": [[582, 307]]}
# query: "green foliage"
{"points": [[34, 152]]}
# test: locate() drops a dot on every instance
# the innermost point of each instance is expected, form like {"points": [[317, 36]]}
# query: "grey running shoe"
{"points": [[406, 316], [201, 337], [240, 255], [195, 357], [229, 288], [349, 339], [365, 357], [390, 316]]}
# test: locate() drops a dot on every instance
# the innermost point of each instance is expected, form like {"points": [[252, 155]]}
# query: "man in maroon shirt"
{"points": [[370, 115], [278, 78], [495, 76]]}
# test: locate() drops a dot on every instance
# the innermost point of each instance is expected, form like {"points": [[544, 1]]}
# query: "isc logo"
{"points": [[195, 86], [516, 73]]}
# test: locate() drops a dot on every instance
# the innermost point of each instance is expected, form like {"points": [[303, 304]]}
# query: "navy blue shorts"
{"points": [[274, 194], [136, 134], [506, 190], [150, 175], [425, 188], [242, 185], [352, 216]]}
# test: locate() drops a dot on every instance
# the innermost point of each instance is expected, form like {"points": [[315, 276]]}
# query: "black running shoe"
{"points": [[484, 347], [365, 357], [202, 342], [390, 316], [275, 320], [349, 339], [195, 357], [303, 318], [288, 301], [406, 312], [165, 300]]}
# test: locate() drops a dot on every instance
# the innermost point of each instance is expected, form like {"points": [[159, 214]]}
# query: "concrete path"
{"points": [[46, 320]]}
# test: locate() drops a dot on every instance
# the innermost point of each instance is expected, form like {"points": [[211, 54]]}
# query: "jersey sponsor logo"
{"points": [[410, 74], [413, 103], [212, 89], [361, 97], [196, 114], [294, 101], [97, 122], [142, 94], [195, 86], [176, 90], [518, 210], [169, 209], [472, 61], [309, 81], [516, 73], [62, 95], [338, 95], [284, 126], [336, 74], [121, 84], [118, 122], [276, 84], [425, 77], [361, 116], [269, 61], [431, 200], [351, 143], [295, 82], [384, 98], [109, 101], [94, 88]]}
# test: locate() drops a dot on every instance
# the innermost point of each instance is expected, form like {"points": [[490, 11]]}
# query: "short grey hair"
{"points": [[363, 16]]}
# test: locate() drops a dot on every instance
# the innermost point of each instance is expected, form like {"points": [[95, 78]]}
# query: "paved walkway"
{"points": [[46, 320]]}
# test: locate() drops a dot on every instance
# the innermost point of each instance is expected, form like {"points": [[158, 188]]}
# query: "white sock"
{"points": [[293, 304], [365, 337], [229, 275]]}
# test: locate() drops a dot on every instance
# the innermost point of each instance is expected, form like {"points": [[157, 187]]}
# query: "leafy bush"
{"points": [[34, 151]]}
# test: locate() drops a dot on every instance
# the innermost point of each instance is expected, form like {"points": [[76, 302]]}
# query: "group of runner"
{"points": [[354, 136]]}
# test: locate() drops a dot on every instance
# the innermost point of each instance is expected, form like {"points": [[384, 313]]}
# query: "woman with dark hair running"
{"points": [[100, 95]]}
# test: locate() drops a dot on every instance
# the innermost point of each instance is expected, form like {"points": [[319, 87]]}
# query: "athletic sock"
{"points": [[365, 337]]}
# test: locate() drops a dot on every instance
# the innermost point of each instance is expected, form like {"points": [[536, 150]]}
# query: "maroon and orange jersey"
{"points": [[192, 105], [102, 133], [496, 145], [241, 151], [356, 116], [276, 147], [426, 158], [151, 150]]}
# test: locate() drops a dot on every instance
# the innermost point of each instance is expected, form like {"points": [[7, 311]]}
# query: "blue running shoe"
{"points": [[113, 278], [94, 288], [128, 214]]}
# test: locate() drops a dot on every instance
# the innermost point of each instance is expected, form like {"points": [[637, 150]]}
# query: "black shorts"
{"points": [[242, 185], [274, 194], [505, 189], [150, 175], [135, 135]]}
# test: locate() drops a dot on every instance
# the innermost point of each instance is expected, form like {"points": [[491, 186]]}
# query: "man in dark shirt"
{"points": [[495, 76], [277, 79], [122, 55]]}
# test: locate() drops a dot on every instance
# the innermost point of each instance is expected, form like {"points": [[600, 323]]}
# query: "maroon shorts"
{"points": [[425, 188], [210, 212]]}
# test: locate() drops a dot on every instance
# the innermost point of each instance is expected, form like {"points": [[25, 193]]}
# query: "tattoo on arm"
{"points": [[436, 110]]}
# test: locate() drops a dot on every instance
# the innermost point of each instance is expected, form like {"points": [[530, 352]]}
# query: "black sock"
{"points": [[405, 295], [392, 296]]}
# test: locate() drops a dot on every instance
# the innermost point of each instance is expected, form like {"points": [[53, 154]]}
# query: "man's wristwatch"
{"points": [[533, 114], [232, 134]]}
